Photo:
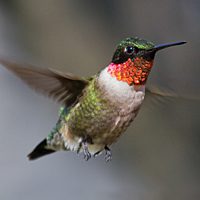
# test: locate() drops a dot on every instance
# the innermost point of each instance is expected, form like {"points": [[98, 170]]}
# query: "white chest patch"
{"points": [[120, 92]]}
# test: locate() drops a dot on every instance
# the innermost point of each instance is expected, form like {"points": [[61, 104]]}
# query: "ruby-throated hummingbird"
{"points": [[96, 110]]}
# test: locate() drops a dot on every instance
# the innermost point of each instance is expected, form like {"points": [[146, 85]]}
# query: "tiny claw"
{"points": [[108, 156], [87, 154], [96, 154]]}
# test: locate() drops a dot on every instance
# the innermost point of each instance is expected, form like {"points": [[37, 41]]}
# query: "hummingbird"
{"points": [[94, 111]]}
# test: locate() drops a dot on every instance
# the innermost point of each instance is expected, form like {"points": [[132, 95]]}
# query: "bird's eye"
{"points": [[129, 50]]}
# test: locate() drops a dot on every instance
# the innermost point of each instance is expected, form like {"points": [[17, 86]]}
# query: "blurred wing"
{"points": [[62, 87], [159, 93]]}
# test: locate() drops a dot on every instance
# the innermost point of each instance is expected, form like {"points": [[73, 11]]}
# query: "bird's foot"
{"points": [[96, 154], [87, 154], [108, 156]]}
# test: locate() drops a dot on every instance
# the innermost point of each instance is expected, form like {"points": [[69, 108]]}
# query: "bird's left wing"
{"points": [[62, 87], [159, 93]]}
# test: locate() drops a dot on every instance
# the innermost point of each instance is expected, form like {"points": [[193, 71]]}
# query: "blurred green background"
{"points": [[158, 157]]}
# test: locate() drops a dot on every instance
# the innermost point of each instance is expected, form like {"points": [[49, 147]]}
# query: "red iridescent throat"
{"points": [[133, 72]]}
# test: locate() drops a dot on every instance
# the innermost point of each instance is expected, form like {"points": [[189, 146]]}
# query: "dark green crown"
{"points": [[136, 42]]}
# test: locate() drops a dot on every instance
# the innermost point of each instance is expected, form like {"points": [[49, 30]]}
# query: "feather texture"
{"points": [[62, 87]]}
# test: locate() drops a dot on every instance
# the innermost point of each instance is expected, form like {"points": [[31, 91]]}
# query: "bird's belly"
{"points": [[120, 123], [102, 114], [102, 127], [102, 132]]}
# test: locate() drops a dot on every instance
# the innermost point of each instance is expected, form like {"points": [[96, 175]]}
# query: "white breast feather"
{"points": [[120, 91]]}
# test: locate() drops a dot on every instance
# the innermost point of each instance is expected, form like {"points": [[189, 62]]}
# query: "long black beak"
{"points": [[149, 54], [163, 46]]}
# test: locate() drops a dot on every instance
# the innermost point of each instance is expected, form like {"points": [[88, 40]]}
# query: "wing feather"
{"points": [[62, 87]]}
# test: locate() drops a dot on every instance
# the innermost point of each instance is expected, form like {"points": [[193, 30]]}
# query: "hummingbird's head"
{"points": [[133, 60]]}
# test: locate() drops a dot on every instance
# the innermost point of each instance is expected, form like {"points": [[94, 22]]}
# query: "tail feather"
{"points": [[40, 150]]}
